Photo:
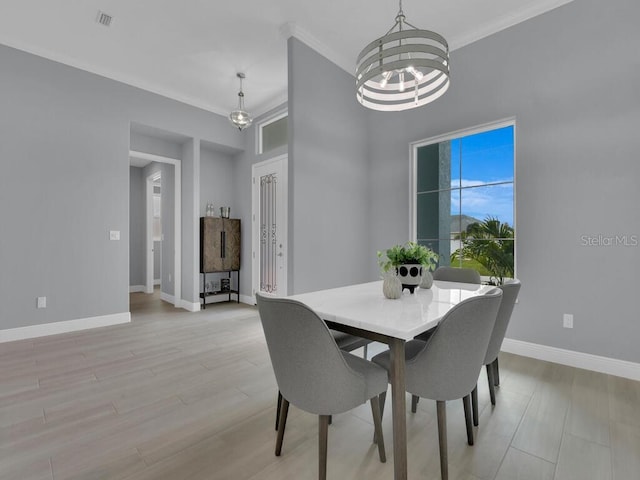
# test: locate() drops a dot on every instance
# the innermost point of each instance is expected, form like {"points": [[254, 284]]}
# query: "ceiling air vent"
{"points": [[104, 19]]}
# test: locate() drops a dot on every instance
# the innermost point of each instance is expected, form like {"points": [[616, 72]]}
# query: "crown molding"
{"points": [[134, 82], [266, 107], [506, 21], [291, 29], [113, 75]]}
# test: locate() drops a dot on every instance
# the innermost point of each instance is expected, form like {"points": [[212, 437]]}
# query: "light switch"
{"points": [[42, 302], [114, 235]]}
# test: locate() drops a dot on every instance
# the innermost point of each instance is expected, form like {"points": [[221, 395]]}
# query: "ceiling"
{"points": [[190, 50]]}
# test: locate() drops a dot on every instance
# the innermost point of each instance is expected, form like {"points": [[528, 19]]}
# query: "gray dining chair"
{"points": [[510, 290], [448, 274], [314, 374], [446, 367], [453, 274], [345, 342]]}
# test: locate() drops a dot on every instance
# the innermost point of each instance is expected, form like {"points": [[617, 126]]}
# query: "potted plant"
{"points": [[410, 262]]}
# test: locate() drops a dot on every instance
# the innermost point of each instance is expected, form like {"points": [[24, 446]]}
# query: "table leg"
{"points": [[398, 408]]}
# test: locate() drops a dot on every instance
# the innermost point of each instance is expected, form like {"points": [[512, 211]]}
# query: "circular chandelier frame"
{"points": [[404, 69]]}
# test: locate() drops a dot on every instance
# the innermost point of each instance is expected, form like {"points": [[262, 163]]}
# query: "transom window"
{"points": [[272, 133]]}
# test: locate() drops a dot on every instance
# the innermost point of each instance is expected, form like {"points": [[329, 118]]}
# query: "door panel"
{"points": [[270, 227]]}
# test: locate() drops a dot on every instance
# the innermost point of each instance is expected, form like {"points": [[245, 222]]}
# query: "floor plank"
{"points": [[179, 395]]}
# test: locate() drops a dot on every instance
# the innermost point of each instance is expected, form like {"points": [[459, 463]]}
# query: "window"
{"points": [[464, 201], [272, 133]]}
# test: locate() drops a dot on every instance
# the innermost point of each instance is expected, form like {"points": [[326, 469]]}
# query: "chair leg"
{"points": [[278, 407], [466, 402], [442, 437], [365, 351], [282, 425], [414, 403], [492, 387], [322, 446], [474, 405], [377, 425], [496, 372], [381, 400]]}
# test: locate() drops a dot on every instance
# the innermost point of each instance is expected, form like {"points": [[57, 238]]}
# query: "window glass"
{"points": [[273, 135], [465, 201]]}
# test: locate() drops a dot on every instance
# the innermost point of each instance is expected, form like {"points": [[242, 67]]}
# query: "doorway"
{"points": [[176, 278], [269, 226], [154, 225]]}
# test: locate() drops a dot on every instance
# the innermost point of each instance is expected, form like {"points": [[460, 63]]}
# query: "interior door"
{"points": [[269, 229]]}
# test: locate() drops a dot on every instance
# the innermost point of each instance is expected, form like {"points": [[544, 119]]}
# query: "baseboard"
{"points": [[45, 329], [167, 298], [248, 299], [191, 307], [612, 366], [136, 288]]}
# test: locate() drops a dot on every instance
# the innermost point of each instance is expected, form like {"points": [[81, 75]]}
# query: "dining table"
{"points": [[363, 310]]}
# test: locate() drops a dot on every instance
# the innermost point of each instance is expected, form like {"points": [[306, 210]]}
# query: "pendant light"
{"points": [[406, 68], [239, 117]]}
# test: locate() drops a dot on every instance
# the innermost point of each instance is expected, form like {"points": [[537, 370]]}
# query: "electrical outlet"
{"points": [[567, 320], [41, 302], [114, 234]]}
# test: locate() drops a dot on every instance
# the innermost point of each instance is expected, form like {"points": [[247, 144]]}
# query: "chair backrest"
{"points": [[310, 370], [462, 275], [449, 365], [510, 291]]}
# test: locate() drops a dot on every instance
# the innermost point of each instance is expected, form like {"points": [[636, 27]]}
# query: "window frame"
{"points": [[265, 123], [413, 172]]}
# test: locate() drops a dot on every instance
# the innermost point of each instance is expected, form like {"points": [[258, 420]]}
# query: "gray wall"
{"points": [[137, 226], [216, 181], [64, 143], [328, 175], [570, 77]]}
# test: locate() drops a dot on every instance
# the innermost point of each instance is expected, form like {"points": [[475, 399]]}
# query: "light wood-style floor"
{"points": [[178, 395]]}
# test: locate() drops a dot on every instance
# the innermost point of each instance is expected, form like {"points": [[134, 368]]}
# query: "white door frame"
{"points": [[177, 215], [255, 228], [149, 283]]}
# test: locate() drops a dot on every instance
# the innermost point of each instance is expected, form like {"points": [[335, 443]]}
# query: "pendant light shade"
{"points": [[239, 117], [406, 68]]}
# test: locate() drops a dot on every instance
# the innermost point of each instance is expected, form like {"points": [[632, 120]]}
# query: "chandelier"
{"points": [[406, 68], [239, 117]]}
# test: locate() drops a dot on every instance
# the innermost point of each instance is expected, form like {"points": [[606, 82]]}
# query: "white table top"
{"points": [[364, 306]]}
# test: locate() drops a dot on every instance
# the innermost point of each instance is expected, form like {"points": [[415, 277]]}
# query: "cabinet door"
{"points": [[211, 238], [232, 244]]}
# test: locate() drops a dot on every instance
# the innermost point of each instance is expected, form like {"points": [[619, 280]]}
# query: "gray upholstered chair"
{"points": [[313, 373], [448, 274], [452, 274], [510, 291], [446, 367], [345, 342]]}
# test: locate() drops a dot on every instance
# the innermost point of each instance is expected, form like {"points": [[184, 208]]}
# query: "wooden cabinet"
{"points": [[219, 253], [219, 244]]}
